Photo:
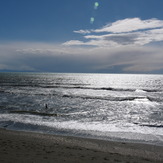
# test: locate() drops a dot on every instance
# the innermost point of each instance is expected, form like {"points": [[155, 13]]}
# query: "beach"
{"points": [[19, 146]]}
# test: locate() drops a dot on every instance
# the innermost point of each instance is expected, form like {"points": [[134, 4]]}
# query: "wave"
{"points": [[78, 86], [34, 113], [141, 99], [150, 125], [110, 98], [134, 98], [111, 89], [54, 85]]}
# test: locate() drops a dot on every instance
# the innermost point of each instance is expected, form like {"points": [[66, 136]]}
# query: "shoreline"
{"points": [[20, 146]]}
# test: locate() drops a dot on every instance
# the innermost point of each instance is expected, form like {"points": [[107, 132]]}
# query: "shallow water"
{"points": [[104, 106]]}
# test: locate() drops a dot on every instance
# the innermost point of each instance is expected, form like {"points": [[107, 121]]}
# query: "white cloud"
{"points": [[132, 24], [83, 31], [93, 42], [74, 42], [127, 32], [126, 25]]}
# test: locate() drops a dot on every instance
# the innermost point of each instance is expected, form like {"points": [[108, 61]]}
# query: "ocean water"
{"points": [[118, 107]]}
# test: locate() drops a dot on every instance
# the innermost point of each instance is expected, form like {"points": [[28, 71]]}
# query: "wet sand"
{"points": [[16, 146]]}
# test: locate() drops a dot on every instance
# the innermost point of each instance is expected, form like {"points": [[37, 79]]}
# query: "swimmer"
{"points": [[46, 106]]}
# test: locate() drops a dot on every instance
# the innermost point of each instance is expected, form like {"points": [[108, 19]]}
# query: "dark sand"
{"points": [[29, 147]]}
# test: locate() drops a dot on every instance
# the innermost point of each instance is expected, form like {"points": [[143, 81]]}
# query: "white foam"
{"points": [[140, 91], [142, 100], [145, 101], [77, 126]]}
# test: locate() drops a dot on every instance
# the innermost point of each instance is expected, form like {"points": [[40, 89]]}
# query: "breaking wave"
{"points": [[86, 88], [140, 99], [150, 125], [34, 113]]}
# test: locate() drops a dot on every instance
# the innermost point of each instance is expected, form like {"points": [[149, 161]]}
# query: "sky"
{"points": [[82, 36]]}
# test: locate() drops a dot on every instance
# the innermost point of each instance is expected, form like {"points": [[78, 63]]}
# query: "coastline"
{"points": [[19, 146]]}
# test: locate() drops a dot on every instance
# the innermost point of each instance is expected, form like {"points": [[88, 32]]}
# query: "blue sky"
{"points": [[110, 36]]}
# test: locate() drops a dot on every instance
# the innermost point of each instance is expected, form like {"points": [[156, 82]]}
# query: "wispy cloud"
{"points": [[130, 25], [83, 31], [127, 32]]}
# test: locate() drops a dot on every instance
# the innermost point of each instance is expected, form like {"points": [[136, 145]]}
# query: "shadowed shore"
{"points": [[16, 146]]}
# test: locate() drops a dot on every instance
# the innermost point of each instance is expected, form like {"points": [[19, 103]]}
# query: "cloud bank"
{"points": [[124, 46], [55, 58]]}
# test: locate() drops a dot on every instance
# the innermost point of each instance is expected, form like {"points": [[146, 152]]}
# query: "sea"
{"points": [[114, 107]]}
